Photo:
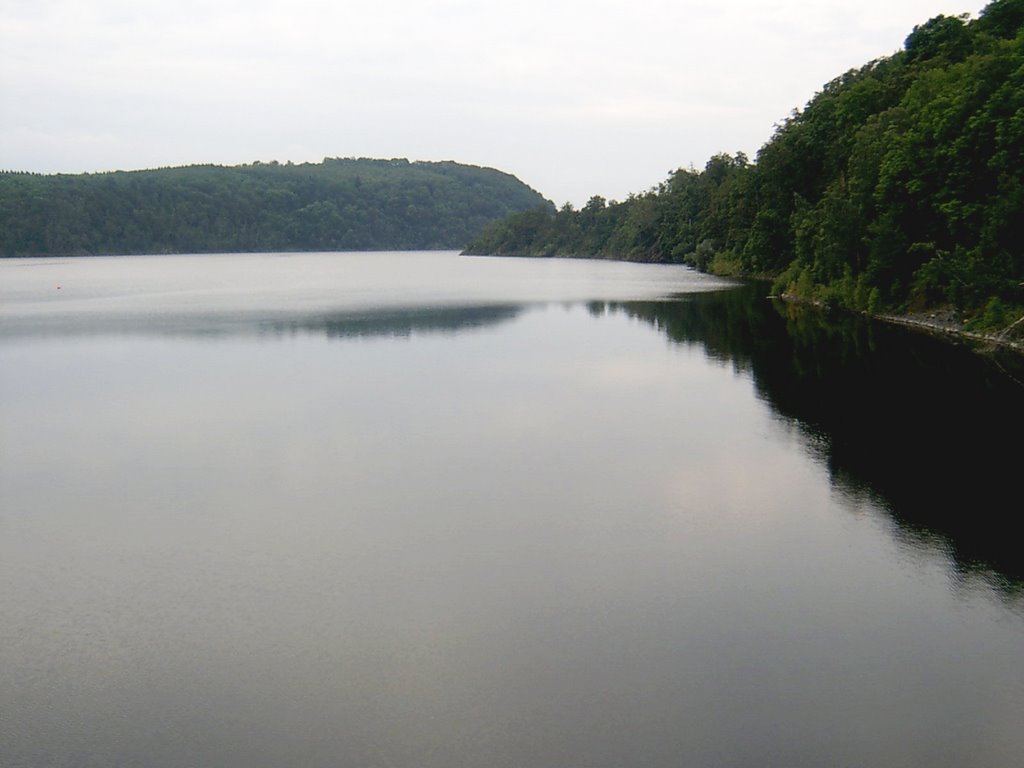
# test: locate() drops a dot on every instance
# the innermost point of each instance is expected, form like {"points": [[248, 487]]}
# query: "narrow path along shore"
{"points": [[946, 324]]}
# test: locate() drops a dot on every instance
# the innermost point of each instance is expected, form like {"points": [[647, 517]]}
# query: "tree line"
{"points": [[338, 204], [899, 187]]}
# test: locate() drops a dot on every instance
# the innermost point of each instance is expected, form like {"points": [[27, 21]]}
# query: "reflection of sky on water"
{"points": [[562, 538]]}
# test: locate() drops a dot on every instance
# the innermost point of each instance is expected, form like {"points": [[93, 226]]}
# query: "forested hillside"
{"points": [[899, 187], [339, 204]]}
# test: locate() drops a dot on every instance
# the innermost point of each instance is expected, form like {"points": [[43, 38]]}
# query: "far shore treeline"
{"points": [[338, 204], [900, 187]]}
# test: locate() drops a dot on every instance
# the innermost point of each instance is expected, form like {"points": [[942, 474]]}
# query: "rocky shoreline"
{"points": [[947, 324]]}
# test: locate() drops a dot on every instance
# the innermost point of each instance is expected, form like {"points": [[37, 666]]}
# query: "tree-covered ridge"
{"points": [[900, 186], [339, 204]]}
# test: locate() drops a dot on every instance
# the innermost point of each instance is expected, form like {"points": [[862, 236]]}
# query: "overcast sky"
{"points": [[576, 98]]}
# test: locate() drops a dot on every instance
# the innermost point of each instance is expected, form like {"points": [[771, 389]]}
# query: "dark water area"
{"points": [[925, 427], [416, 509]]}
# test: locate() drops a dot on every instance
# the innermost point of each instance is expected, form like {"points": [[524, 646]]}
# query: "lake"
{"points": [[419, 509]]}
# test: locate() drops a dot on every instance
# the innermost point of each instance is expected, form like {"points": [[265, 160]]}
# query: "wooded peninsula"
{"points": [[338, 204], [898, 188]]}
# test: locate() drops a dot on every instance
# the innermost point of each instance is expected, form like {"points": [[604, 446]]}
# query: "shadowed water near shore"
{"points": [[925, 427]]}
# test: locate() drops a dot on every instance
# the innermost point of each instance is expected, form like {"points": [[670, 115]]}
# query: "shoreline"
{"points": [[936, 325], [941, 323]]}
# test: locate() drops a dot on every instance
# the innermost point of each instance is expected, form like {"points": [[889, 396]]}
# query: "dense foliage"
{"points": [[900, 186], [339, 204]]}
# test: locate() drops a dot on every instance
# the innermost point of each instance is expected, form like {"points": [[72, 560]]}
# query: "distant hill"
{"points": [[898, 188], [338, 204]]}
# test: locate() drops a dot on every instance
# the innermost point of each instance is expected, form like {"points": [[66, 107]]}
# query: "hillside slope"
{"points": [[338, 204]]}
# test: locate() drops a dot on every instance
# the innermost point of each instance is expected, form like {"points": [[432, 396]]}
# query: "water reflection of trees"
{"points": [[399, 322], [923, 426], [395, 322]]}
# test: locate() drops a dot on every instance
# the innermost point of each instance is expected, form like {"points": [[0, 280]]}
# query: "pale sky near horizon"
{"points": [[603, 97]]}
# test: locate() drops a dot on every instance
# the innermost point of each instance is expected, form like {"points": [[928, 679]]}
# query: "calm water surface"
{"points": [[418, 509]]}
